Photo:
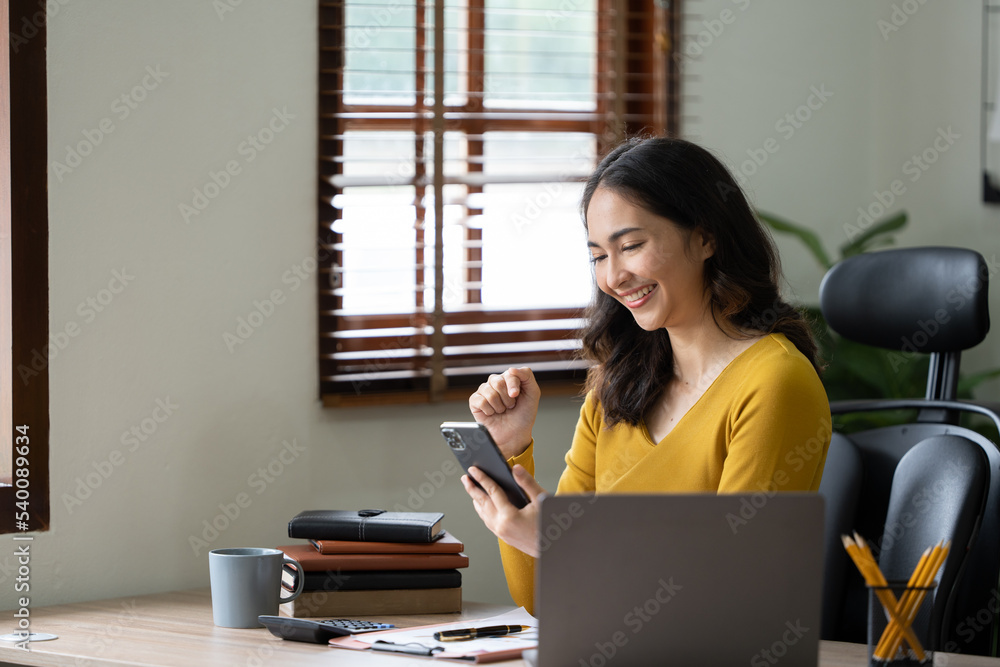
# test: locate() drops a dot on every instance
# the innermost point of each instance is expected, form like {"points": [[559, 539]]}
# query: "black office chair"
{"points": [[931, 301], [937, 495]]}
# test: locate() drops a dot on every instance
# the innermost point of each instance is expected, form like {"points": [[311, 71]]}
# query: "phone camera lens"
{"points": [[454, 441]]}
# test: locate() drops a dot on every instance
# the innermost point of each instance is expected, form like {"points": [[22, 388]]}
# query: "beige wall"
{"points": [[158, 336], [898, 72]]}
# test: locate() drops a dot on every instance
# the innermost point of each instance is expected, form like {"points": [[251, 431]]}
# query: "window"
{"points": [[454, 138], [24, 408]]}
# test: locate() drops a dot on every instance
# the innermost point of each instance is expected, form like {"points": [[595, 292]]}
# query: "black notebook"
{"points": [[368, 580], [366, 525]]}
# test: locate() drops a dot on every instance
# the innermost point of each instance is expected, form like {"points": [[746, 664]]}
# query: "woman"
{"points": [[704, 379]]}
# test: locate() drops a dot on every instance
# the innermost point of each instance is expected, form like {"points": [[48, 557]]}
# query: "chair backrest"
{"points": [[841, 488], [937, 495], [930, 299], [926, 300]]}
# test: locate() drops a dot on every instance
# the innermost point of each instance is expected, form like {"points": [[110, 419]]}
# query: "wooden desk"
{"points": [[176, 629]]}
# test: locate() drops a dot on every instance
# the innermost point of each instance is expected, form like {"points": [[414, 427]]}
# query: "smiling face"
{"points": [[647, 263]]}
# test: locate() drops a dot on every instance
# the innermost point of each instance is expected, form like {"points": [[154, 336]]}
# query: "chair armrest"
{"points": [[990, 410]]}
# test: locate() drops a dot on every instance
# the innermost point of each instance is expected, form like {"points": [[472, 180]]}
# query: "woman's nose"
{"points": [[616, 274]]}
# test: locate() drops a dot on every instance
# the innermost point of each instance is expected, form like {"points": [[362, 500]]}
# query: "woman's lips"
{"points": [[640, 301]]}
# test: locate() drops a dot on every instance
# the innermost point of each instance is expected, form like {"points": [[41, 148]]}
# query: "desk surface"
{"points": [[176, 629]]}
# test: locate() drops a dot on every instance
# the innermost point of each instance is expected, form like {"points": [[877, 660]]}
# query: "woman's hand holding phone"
{"points": [[516, 527], [507, 405]]}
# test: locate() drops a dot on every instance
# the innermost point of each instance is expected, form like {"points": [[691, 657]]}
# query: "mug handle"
{"points": [[300, 580]]}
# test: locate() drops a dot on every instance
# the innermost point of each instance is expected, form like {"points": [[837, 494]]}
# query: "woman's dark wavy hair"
{"points": [[678, 180]]}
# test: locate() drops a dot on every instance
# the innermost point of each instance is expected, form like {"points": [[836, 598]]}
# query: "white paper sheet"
{"points": [[425, 636]]}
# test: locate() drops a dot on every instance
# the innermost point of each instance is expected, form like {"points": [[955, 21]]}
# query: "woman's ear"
{"points": [[704, 244]]}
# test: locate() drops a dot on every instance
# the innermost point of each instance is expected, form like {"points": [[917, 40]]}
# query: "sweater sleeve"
{"points": [[519, 567], [578, 477], [779, 432]]}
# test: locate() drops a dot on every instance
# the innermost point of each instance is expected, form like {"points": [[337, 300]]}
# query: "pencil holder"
{"points": [[899, 625]]}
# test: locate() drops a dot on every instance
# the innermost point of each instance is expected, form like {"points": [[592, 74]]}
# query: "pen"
{"points": [[472, 633]]}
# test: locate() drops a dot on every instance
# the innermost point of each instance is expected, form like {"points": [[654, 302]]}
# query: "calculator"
{"points": [[317, 632]]}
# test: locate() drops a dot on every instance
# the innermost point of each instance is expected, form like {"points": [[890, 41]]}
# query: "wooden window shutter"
{"points": [[454, 138]]}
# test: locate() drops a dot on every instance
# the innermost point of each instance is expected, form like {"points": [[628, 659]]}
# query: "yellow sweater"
{"points": [[763, 425]]}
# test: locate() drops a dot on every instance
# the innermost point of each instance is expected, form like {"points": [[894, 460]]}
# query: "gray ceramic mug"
{"points": [[246, 583]]}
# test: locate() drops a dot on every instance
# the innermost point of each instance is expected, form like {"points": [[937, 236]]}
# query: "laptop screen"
{"points": [[694, 579]]}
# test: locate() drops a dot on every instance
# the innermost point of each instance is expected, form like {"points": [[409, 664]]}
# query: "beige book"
{"points": [[347, 604]]}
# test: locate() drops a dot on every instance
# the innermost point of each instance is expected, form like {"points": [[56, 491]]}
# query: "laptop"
{"points": [[687, 580]]}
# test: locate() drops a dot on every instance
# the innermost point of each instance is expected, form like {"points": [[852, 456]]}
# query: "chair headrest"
{"points": [[929, 299]]}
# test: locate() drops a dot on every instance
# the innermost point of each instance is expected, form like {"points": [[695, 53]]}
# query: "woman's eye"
{"points": [[594, 259], [634, 246]]}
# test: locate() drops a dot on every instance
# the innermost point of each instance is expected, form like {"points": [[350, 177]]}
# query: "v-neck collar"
{"points": [[724, 371]]}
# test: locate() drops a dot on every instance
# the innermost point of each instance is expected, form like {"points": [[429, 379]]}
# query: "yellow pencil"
{"points": [[869, 569], [898, 624], [912, 605], [861, 554]]}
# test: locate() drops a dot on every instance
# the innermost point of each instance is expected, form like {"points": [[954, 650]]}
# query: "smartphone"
{"points": [[472, 445]]}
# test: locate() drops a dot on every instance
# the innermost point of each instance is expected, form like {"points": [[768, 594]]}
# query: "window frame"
{"points": [[24, 152], [650, 90]]}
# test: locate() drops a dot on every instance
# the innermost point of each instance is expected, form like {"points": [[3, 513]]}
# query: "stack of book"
{"points": [[371, 563]]}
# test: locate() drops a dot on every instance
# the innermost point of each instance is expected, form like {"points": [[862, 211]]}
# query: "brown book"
{"points": [[345, 604], [446, 544], [314, 561]]}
